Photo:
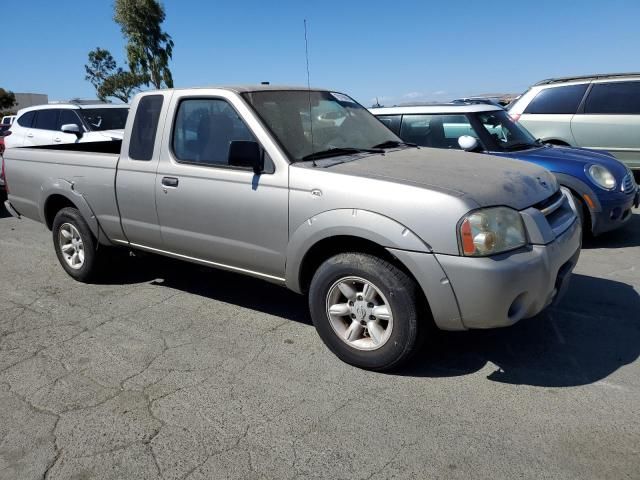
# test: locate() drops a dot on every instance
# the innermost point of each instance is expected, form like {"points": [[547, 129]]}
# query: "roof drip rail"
{"points": [[597, 76]]}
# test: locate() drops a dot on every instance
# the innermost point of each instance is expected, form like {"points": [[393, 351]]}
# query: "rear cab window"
{"points": [[145, 127], [557, 100]]}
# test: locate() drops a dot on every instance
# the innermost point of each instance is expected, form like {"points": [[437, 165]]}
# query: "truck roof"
{"points": [[248, 88]]}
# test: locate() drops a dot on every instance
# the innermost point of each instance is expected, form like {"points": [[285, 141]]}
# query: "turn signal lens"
{"points": [[490, 231]]}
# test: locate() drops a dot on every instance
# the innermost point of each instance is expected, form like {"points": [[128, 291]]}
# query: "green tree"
{"points": [[101, 65], [121, 85], [110, 80], [149, 48], [7, 100]]}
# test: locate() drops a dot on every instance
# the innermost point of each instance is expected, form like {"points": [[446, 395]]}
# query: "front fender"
{"points": [[66, 188], [581, 188], [346, 222]]}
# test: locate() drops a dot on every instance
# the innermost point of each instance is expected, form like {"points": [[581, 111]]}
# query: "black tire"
{"points": [[90, 266], [401, 293]]}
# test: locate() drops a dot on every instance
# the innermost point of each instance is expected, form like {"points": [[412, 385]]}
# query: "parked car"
{"points": [[383, 238], [7, 120], [603, 188], [67, 123], [600, 112]]}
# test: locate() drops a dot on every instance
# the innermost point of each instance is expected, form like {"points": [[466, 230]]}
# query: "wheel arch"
{"points": [[343, 230], [60, 194]]}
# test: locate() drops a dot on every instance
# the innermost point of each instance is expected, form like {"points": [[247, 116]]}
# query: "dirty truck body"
{"points": [[383, 237]]}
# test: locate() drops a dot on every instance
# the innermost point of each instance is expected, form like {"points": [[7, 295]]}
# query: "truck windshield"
{"points": [[105, 118], [504, 133], [308, 122]]}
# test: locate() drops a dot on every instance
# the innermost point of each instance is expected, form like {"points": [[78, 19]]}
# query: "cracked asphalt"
{"points": [[172, 371]]}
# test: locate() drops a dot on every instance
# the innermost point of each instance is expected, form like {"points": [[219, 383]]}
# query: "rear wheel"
{"points": [[75, 245], [365, 310]]}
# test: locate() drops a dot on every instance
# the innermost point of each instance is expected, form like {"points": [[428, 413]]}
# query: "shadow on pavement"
{"points": [[594, 331], [626, 236], [228, 287]]}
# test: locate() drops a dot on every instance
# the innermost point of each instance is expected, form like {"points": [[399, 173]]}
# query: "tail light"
{"points": [[3, 177], [515, 116]]}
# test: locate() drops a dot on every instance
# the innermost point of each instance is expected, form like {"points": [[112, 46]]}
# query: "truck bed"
{"points": [[109, 146], [84, 172]]}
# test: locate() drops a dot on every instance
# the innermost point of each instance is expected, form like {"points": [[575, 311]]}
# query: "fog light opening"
{"points": [[516, 310], [615, 213]]}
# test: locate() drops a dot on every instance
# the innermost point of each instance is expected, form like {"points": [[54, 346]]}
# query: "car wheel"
{"points": [[366, 311], [75, 245]]}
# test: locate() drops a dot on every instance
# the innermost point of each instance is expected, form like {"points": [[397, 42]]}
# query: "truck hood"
{"points": [[558, 159], [485, 179]]}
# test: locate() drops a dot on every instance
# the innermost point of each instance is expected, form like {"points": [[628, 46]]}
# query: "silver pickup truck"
{"points": [[305, 188]]}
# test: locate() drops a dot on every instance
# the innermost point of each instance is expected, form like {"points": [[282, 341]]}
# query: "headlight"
{"points": [[490, 231], [602, 177]]}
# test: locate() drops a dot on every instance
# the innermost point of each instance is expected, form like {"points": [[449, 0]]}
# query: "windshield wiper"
{"points": [[395, 143], [519, 146], [335, 152]]}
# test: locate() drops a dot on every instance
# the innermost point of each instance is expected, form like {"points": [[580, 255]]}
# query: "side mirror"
{"points": [[246, 154], [468, 143], [72, 128]]}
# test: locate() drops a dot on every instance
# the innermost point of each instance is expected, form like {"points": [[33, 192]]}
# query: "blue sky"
{"points": [[397, 51]]}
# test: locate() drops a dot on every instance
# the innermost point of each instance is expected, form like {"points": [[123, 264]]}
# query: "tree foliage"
{"points": [[7, 100], [149, 48], [110, 80], [121, 85]]}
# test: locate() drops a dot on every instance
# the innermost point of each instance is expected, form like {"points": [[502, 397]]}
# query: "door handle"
{"points": [[170, 182], [57, 139], [30, 135]]}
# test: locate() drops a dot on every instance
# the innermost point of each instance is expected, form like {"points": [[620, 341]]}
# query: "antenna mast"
{"points": [[306, 52]]}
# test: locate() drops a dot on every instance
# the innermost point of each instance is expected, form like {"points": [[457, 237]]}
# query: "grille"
{"points": [[628, 184], [558, 211]]}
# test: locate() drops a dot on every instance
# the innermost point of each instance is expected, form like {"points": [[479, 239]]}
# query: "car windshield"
{"points": [[309, 122], [505, 134], [105, 118]]}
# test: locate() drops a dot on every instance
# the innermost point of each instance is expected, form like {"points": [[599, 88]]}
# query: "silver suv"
{"points": [[601, 112]]}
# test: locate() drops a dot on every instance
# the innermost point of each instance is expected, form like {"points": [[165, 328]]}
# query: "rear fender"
{"points": [[67, 189]]}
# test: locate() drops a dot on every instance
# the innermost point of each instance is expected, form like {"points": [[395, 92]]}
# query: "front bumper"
{"points": [[614, 214], [500, 290]]}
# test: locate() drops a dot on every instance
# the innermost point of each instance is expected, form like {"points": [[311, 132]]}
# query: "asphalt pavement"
{"points": [[174, 371]]}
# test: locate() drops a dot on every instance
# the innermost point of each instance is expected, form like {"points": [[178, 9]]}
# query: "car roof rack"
{"points": [[596, 76]]}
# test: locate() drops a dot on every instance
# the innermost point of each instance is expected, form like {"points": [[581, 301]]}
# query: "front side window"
{"points": [[26, 120], [614, 98], [204, 129], [47, 119], [68, 117], [436, 130], [503, 133], [99, 119], [307, 123], [145, 126], [392, 122], [557, 100]]}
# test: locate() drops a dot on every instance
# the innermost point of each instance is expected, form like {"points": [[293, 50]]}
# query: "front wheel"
{"points": [[75, 245], [366, 311]]}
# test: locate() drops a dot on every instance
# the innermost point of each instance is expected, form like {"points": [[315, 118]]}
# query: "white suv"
{"points": [[67, 123]]}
